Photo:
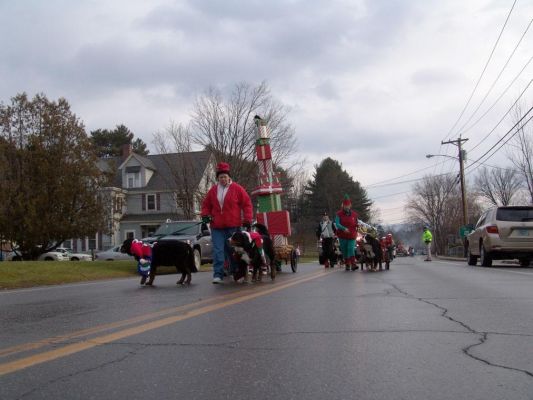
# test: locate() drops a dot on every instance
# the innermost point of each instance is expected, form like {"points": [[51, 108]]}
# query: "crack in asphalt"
{"points": [[77, 373], [483, 336]]}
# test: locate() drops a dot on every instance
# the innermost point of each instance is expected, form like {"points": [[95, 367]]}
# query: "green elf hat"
{"points": [[346, 202]]}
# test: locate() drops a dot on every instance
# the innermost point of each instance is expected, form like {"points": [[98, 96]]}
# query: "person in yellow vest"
{"points": [[427, 238]]}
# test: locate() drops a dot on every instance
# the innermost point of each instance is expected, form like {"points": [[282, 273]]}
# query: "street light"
{"points": [[461, 159], [440, 155]]}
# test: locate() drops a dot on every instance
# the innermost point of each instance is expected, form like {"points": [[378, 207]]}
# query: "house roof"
{"points": [[172, 168], [143, 160], [168, 169]]}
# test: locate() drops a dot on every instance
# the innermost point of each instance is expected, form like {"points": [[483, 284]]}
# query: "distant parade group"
{"points": [[244, 250]]}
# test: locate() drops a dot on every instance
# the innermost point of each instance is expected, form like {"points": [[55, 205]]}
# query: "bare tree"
{"points": [[498, 186], [520, 151], [431, 201], [175, 145], [226, 126]]}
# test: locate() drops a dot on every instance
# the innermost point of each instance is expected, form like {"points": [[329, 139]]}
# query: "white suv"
{"points": [[502, 233]]}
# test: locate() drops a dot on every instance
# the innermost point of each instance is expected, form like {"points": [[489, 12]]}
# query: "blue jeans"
{"points": [[222, 250]]}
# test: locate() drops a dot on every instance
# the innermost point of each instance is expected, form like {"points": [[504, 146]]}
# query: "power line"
{"points": [[503, 137], [377, 184], [482, 73], [408, 181], [390, 195], [505, 115], [497, 78]]}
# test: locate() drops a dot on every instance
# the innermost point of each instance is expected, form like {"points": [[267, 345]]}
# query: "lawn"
{"points": [[20, 274], [23, 274]]}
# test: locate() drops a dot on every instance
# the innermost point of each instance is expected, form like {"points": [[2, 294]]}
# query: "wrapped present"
{"points": [[263, 153], [277, 222], [270, 202], [265, 167]]}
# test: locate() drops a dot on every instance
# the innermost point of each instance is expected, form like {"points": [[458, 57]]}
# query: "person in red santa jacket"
{"points": [[227, 207], [346, 222]]}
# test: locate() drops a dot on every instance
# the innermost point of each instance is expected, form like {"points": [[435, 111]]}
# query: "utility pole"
{"points": [[458, 143]]}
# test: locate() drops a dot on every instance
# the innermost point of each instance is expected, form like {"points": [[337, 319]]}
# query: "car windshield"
{"points": [[515, 214], [177, 228]]}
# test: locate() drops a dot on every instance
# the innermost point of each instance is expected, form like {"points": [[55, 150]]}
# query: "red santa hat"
{"points": [[223, 168]]}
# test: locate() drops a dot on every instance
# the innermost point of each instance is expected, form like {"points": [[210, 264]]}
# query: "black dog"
{"points": [[247, 252], [376, 249], [167, 253]]}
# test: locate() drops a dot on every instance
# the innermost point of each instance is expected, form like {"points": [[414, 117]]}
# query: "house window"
{"points": [[150, 202], [130, 234], [118, 204], [134, 179]]}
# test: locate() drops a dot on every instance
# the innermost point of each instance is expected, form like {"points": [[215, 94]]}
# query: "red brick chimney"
{"points": [[126, 150]]}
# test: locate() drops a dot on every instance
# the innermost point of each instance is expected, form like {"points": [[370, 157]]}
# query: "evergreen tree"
{"points": [[326, 190], [109, 143]]}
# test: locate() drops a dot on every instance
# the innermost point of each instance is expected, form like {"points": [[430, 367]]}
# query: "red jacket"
{"points": [[236, 210], [348, 221]]}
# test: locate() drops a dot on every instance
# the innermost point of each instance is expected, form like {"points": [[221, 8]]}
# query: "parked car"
{"points": [[75, 256], [54, 255], [112, 255], [194, 233], [502, 233], [10, 256]]}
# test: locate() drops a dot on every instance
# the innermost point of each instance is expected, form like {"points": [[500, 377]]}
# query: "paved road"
{"points": [[439, 330]]}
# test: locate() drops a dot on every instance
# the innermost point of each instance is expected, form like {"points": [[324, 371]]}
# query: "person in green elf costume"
{"points": [[346, 222]]}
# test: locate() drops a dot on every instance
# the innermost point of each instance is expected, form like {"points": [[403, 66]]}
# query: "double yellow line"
{"points": [[160, 319]]}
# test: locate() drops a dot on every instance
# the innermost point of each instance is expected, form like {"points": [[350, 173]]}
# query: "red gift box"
{"points": [[263, 153], [277, 222]]}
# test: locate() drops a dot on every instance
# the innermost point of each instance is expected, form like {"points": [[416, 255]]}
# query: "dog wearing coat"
{"points": [[253, 249], [163, 253], [376, 250]]}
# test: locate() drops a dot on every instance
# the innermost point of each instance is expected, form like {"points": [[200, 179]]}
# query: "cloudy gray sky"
{"points": [[375, 84]]}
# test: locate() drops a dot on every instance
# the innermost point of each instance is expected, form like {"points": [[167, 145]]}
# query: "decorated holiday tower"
{"points": [[268, 193]]}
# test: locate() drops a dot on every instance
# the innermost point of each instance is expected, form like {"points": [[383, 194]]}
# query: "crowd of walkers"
{"points": [[342, 242]]}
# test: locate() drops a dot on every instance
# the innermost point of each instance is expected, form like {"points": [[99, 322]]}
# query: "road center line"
{"points": [[113, 325], [29, 361]]}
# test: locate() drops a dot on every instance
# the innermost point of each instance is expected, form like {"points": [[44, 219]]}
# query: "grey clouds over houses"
{"points": [[374, 84]]}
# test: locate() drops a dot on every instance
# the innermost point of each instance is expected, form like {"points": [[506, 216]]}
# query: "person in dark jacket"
{"points": [[325, 233], [227, 207]]}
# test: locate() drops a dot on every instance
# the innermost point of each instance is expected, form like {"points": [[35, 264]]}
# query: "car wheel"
{"points": [[48, 259], [197, 259], [472, 260], [74, 259], [485, 257], [524, 262]]}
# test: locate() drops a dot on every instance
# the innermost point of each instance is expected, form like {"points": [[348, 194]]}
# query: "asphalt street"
{"points": [[423, 330]]}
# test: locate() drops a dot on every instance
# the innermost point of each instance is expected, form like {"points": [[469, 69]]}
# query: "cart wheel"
{"points": [[294, 261]]}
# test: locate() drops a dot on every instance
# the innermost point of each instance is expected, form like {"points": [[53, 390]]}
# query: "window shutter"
{"points": [[143, 201], [158, 201]]}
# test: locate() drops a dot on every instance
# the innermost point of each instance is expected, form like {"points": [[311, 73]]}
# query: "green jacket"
{"points": [[427, 236]]}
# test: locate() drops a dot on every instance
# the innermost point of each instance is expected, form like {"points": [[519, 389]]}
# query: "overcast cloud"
{"points": [[374, 84]]}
